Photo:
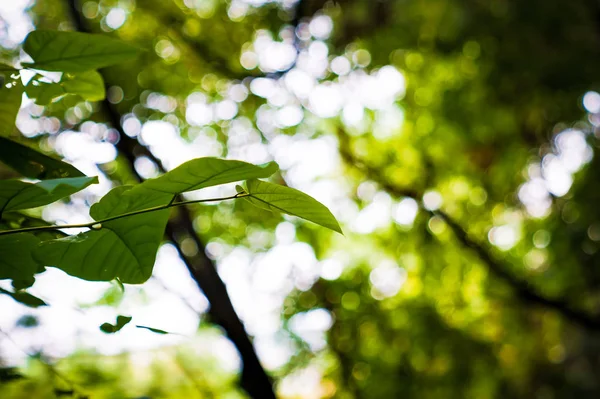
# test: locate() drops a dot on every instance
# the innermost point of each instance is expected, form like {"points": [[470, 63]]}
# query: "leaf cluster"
{"points": [[128, 222]]}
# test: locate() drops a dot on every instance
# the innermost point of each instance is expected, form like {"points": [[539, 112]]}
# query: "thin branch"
{"points": [[96, 225], [522, 289]]}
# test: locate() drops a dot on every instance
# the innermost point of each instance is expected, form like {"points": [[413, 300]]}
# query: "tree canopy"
{"points": [[451, 143]]}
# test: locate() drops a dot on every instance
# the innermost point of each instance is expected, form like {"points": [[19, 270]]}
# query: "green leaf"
{"points": [[44, 93], [15, 194], [276, 198], [10, 102], [75, 51], [24, 298], [17, 261], [89, 85], [154, 330], [122, 321], [33, 164], [27, 321], [206, 172], [124, 248]]}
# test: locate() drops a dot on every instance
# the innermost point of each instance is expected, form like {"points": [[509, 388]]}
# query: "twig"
{"points": [[96, 225]]}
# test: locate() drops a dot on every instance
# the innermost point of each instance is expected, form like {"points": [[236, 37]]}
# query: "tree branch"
{"points": [[522, 289], [254, 379]]}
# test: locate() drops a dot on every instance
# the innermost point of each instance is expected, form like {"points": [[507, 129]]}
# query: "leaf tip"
{"points": [[270, 167], [154, 330]]}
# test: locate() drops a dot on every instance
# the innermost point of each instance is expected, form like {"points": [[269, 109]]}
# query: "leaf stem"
{"points": [[98, 223]]}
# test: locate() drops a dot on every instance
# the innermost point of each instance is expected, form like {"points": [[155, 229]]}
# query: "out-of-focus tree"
{"points": [[455, 141]]}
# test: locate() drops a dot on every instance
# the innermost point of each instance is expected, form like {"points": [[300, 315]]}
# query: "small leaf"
{"points": [[154, 330], [10, 102], [276, 198], [206, 172], [27, 321], [28, 300], [122, 321], [75, 51], [31, 163], [24, 298], [15, 194], [17, 262]]}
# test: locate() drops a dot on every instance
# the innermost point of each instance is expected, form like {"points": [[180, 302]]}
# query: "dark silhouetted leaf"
{"points": [[24, 298], [17, 262], [16, 195], [122, 321], [154, 330], [27, 321], [33, 164]]}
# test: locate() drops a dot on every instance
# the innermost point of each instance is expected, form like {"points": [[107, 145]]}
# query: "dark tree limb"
{"points": [[254, 380], [523, 290]]}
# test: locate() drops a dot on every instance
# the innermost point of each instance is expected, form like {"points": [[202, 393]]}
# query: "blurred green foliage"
{"points": [[490, 86]]}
